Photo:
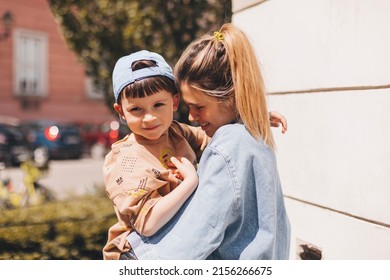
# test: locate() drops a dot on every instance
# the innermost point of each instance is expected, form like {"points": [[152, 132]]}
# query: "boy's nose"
{"points": [[149, 117]]}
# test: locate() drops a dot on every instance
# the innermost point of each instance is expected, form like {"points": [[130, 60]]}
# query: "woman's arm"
{"points": [[167, 206]]}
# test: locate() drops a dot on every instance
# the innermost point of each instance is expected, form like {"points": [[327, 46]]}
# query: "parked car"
{"points": [[14, 147], [53, 139], [98, 138]]}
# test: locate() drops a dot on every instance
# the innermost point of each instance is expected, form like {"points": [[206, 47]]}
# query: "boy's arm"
{"points": [[135, 186], [167, 206], [195, 136], [198, 139], [276, 119]]}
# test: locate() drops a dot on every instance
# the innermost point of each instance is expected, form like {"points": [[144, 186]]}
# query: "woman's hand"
{"points": [[276, 119]]}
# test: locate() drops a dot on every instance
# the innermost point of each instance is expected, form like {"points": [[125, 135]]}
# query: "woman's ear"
{"points": [[176, 101]]}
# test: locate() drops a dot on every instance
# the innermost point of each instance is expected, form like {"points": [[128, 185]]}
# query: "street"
{"points": [[65, 178]]}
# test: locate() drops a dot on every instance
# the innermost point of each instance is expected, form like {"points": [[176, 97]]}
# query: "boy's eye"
{"points": [[159, 105], [135, 109]]}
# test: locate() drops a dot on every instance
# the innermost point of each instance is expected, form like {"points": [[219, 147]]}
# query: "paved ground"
{"points": [[66, 178]]}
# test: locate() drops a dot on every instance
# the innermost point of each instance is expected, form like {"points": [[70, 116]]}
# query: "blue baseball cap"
{"points": [[123, 75]]}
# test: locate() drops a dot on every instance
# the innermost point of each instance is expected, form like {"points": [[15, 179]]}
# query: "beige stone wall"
{"points": [[238, 6], [326, 67]]}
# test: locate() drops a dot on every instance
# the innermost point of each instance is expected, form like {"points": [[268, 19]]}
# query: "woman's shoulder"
{"points": [[235, 138], [232, 133]]}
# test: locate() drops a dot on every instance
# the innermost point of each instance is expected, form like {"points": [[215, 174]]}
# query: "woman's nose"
{"points": [[192, 117]]}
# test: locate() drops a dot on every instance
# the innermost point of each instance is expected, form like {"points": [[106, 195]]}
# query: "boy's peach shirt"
{"points": [[136, 177]]}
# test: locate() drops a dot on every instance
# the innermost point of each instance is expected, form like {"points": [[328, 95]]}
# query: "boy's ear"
{"points": [[176, 100], [118, 108]]}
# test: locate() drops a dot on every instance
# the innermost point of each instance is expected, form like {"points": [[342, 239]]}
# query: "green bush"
{"points": [[61, 230]]}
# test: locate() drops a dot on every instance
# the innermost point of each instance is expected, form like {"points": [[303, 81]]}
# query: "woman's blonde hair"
{"points": [[224, 65]]}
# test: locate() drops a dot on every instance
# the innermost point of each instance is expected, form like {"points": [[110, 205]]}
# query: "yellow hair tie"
{"points": [[218, 35]]}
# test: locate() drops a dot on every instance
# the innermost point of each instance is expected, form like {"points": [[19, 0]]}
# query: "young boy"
{"points": [[140, 171]]}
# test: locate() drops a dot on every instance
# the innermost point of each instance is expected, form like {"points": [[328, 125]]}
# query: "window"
{"points": [[92, 91], [30, 63]]}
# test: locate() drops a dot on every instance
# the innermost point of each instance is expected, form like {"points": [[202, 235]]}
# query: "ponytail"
{"points": [[250, 96]]}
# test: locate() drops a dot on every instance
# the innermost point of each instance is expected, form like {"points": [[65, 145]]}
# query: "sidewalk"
{"points": [[66, 178]]}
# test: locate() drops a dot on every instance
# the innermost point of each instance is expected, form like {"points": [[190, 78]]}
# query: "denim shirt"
{"points": [[237, 211]]}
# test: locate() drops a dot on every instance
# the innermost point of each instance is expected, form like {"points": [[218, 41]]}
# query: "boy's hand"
{"points": [[276, 119], [171, 167], [177, 174]]}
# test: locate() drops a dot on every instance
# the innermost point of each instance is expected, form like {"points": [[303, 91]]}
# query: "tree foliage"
{"points": [[101, 31]]}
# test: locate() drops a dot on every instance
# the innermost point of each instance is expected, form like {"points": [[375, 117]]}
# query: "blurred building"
{"points": [[327, 69], [40, 78]]}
